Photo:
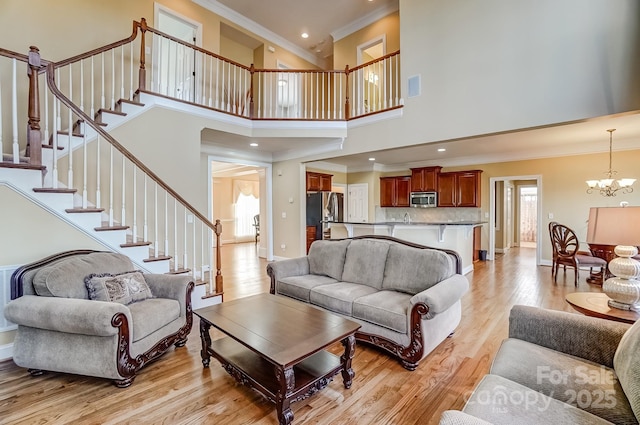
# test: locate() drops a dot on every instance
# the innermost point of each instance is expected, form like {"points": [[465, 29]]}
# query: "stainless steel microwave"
{"points": [[424, 199]]}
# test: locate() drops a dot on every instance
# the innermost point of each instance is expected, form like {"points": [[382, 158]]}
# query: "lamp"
{"points": [[619, 226], [609, 186]]}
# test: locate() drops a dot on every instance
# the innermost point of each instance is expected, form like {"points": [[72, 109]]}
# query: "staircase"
{"points": [[74, 169]]}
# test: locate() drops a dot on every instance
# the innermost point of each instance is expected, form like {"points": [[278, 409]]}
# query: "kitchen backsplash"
{"points": [[428, 214]]}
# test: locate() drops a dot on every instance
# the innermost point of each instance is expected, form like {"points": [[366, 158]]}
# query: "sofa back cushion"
{"points": [[327, 257], [412, 270], [626, 363], [365, 262], [65, 279]]}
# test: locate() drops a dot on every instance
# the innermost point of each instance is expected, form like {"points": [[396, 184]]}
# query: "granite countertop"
{"points": [[414, 223]]}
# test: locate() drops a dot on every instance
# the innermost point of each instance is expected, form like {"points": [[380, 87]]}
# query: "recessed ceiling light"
{"points": [[372, 159], [304, 35], [441, 149], [254, 144]]}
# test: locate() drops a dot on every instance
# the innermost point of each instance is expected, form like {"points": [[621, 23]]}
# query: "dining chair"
{"points": [[566, 247]]}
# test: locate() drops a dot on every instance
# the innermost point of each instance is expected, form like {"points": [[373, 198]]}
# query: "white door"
{"points": [[358, 203], [175, 64]]}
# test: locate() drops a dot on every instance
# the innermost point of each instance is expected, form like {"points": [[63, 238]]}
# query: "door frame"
{"points": [[492, 213]]}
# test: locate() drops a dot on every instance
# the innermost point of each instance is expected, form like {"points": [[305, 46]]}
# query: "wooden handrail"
{"points": [[89, 120], [380, 59]]}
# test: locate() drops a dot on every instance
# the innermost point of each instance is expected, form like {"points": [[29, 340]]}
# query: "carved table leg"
{"points": [[287, 382], [206, 342], [349, 350]]}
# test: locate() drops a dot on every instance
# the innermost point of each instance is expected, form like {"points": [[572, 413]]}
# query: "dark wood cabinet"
{"points": [[311, 236], [459, 189], [395, 191], [425, 179], [318, 182]]}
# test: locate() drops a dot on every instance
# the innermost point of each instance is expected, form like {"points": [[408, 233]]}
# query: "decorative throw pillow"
{"points": [[123, 288]]}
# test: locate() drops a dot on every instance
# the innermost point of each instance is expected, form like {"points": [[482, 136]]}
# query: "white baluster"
{"points": [[54, 151], [93, 111], [84, 170], [81, 84], [194, 266], [110, 185], [98, 169], [156, 243], [102, 95], [397, 79], [166, 224], [123, 212], [122, 72], [45, 136], [211, 82], [184, 237], [145, 230], [113, 79], [384, 82], [134, 228], [69, 147], [131, 72], [218, 83], [202, 250], [175, 235], [14, 113]]}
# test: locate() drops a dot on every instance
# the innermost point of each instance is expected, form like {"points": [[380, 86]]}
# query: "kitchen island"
{"points": [[455, 235]]}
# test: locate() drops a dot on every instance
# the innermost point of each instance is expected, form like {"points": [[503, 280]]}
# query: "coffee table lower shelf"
{"points": [[310, 375]]}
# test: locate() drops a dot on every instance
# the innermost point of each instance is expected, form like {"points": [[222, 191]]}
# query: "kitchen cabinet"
{"points": [[459, 189], [477, 242], [395, 191], [311, 236], [318, 182], [425, 179]]}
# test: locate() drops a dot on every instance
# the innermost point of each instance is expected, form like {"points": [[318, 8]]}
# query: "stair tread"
{"points": [[130, 102], [22, 166], [158, 258], [211, 295], [107, 228], [132, 244], [179, 271], [84, 210], [66, 133], [46, 146], [54, 190], [111, 111]]}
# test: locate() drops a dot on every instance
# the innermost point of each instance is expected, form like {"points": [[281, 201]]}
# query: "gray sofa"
{"points": [[561, 368], [61, 329], [405, 296]]}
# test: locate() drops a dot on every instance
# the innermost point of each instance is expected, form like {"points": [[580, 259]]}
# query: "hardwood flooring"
{"points": [[176, 389]]}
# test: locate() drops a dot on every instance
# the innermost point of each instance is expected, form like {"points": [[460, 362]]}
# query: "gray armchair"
{"points": [[558, 367], [65, 327]]}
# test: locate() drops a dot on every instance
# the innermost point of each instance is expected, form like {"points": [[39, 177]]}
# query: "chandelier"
{"points": [[609, 186]]}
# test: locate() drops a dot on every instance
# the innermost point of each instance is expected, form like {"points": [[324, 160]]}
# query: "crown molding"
{"points": [[362, 22], [248, 24]]}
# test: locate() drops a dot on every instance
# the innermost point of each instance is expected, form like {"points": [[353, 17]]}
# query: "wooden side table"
{"points": [[595, 304]]}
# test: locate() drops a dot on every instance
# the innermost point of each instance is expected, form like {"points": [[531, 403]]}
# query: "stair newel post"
{"points": [[218, 232], [346, 92], [34, 135], [142, 73], [252, 71]]}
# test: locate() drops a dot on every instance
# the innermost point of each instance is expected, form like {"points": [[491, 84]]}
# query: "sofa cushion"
{"points": [[579, 382], [501, 401], [364, 262], [298, 287], [152, 314], [413, 270], [626, 363], [66, 278], [327, 257], [384, 308], [339, 296], [123, 288]]}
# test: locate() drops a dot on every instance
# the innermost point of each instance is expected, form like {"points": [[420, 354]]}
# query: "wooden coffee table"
{"points": [[275, 345], [595, 304]]}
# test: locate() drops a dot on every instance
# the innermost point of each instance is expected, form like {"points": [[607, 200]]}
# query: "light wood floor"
{"points": [[176, 389]]}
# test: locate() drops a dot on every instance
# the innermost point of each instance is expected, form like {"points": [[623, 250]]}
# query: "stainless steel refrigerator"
{"points": [[324, 207]]}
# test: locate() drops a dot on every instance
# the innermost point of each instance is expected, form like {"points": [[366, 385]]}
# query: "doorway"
{"points": [[177, 80], [499, 213], [527, 212]]}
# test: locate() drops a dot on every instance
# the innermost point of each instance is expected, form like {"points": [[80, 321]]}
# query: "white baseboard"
{"points": [[467, 269], [6, 352]]}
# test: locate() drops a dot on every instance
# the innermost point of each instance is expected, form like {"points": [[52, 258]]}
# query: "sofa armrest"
{"points": [[170, 286], [442, 295], [456, 417], [69, 315], [590, 338], [285, 268]]}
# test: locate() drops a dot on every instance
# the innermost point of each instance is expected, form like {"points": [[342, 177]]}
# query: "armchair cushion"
{"points": [[66, 278], [123, 288], [572, 380], [151, 315]]}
